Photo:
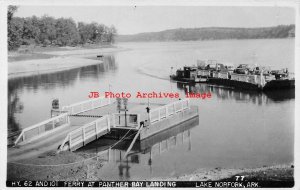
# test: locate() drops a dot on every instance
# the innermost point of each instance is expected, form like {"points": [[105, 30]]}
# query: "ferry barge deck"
{"points": [[241, 77]]}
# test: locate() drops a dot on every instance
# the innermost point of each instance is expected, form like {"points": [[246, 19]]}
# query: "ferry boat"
{"points": [[244, 76]]}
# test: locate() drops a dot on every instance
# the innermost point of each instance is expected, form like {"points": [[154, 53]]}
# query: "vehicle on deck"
{"points": [[279, 74], [242, 69], [229, 67]]}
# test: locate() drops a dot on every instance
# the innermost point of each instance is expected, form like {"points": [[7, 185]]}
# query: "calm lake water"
{"points": [[234, 129]]}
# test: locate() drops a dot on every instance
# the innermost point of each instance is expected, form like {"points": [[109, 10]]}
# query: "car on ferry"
{"points": [[242, 69], [229, 67]]}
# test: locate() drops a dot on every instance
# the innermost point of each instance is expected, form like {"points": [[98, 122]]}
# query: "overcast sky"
{"points": [[131, 20]]}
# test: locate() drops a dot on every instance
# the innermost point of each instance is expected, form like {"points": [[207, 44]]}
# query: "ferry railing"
{"points": [[86, 105], [254, 79], [222, 75], [291, 76], [203, 73], [132, 120], [86, 132], [43, 128], [163, 112], [239, 77], [215, 74]]}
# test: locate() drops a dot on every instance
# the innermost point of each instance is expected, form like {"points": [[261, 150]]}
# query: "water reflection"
{"points": [[63, 78], [143, 152], [49, 82], [95, 71], [15, 106], [254, 97]]}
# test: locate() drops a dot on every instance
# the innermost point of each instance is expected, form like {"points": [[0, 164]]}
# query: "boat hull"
{"points": [[188, 80], [271, 85]]}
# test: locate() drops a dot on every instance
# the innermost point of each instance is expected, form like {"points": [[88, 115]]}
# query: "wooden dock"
{"points": [[79, 124]]}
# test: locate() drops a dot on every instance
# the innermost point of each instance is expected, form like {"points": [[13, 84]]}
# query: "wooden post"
{"points": [[83, 135], [158, 114], [96, 129], [167, 114], [174, 108], [114, 120], [138, 119], [68, 119], [181, 103], [70, 141], [108, 122], [159, 148], [167, 144], [175, 140]]}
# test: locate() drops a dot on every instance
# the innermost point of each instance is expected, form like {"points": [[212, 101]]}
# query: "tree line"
{"points": [[47, 30], [213, 33]]}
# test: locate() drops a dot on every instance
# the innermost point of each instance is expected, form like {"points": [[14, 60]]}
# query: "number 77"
{"points": [[237, 177]]}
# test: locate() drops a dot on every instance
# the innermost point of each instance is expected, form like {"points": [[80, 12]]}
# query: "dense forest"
{"points": [[212, 33], [49, 31]]}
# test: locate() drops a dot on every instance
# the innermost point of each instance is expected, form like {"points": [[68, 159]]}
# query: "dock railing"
{"points": [[43, 128], [163, 112], [86, 132], [86, 105]]}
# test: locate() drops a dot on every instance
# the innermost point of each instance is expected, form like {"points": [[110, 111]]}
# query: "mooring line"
{"points": [[67, 164], [121, 139]]}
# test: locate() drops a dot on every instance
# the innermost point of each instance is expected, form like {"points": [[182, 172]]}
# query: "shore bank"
{"points": [[53, 61], [66, 166], [267, 173], [70, 166]]}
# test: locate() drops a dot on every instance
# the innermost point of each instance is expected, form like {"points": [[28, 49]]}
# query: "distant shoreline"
{"points": [[212, 33], [204, 40]]}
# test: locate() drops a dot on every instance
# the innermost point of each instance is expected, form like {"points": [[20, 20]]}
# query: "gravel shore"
{"points": [[69, 166], [65, 166], [57, 61], [267, 173]]}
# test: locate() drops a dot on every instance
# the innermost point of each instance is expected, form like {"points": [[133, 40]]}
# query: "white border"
{"points": [[3, 53]]}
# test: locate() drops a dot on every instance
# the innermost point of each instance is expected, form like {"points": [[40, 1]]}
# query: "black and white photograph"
{"points": [[149, 94]]}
